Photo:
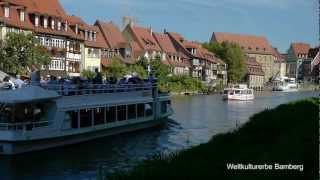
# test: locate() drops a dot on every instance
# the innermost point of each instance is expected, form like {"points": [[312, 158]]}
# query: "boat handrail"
{"points": [[75, 89], [23, 126]]}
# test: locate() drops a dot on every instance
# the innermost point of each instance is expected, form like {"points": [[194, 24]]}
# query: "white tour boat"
{"points": [[35, 118], [239, 92], [285, 84]]}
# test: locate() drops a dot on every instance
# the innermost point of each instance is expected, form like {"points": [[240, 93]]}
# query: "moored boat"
{"points": [[36, 118], [239, 92], [286, 84]]}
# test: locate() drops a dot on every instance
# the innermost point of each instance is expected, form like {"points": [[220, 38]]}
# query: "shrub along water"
{"points": [[285, 135]]}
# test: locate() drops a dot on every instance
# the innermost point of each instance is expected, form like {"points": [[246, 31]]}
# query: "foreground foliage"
{"points": [[287, 134]]}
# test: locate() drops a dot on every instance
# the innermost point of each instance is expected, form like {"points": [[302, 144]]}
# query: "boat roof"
{"points": [[101, 100], [26, 94]]}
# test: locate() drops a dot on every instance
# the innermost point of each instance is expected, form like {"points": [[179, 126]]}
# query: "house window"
{"points": [[36, 21], [59, 26], [52, 24], [45, 22], [86, 35], [6, 11], [95, 36], [22, 15]]}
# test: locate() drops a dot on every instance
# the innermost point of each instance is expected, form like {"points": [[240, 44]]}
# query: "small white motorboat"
{"points": [[239, 92]]}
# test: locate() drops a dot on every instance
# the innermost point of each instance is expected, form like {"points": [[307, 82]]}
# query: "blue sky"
{"points": [[281, 21]]}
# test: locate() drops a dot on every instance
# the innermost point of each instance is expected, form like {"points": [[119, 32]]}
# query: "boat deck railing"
{"points": [[25, 126], [75, 89]]}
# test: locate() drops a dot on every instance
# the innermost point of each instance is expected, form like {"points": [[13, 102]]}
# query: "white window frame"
{"points": [[6, 11], [22, 15]]}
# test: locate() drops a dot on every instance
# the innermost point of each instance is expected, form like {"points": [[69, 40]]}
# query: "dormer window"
{"points": [[45, 22], [66, 26], [77, 29], [85, 35], [6, 11], [90, 36], [36, 21], [52, 24], [22, 15], [59, 26], [95, 36]]}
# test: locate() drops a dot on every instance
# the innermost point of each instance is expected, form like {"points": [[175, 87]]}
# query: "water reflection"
{"points": [[195, 121]]}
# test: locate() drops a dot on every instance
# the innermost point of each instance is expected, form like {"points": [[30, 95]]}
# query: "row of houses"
{"points": [[76, 46], [266, 64]]}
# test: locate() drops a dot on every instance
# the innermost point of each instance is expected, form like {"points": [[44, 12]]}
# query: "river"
{"points": [[196, 120]]}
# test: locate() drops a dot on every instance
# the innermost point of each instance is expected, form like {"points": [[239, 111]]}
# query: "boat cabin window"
{"points": [[237, 92], [102, 115], [111, 114], [122, 112], [148, 109], [140, 110], [99, 115], [21, 113], [85, 118], [132, 114]]}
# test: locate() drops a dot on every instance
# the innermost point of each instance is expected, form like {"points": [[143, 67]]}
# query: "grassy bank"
{"points": [[287, 134]]}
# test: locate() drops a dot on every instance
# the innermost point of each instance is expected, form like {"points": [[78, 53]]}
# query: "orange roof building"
{"points": [[250, 44], [118, 46], [205, 65], [48, 20], [297, 55], [257, 47]]}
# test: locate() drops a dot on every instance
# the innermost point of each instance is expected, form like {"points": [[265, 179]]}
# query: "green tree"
{"points": [[140, 70], [231, 54], [160, 70], [20, 51], [90, 75], [116, 69]]}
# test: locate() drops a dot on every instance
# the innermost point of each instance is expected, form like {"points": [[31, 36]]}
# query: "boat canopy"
{"points": [[26, 94]]}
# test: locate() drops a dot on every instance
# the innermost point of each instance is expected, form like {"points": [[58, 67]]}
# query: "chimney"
{"points": [[164, 31], [151, 31]]}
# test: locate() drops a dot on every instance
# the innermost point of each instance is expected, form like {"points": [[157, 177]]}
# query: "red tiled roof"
{"points": [[136, 50], [49, 7], [300, 48], [14, 19], [43, 7], [253, 67], [279, 57], [112, 34], [73, 20], [201, 52], [100, 41], [248, 43], [145, 38], [165, 43]]}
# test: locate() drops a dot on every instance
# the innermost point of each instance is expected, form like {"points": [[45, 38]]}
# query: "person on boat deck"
{"points": [[135, 79], [9, 83], [18, 82], [151, 79], [98, 78], [35, 76], [44, 81]]}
